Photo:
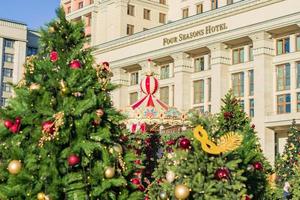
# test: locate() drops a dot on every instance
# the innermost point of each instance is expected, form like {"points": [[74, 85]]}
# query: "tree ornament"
{"points": [[136, 181], [222, 173], [228, 142], [171, 142], [253, 126], [63, 88], [147, 198], [75, 64], [170, 176], [109, 172], [184, 143], [73, 160], [105, 66], [48, 127], [34, 86], [14, 166], [99, 112], [250, 168], [41, 196], [228, 115], [118, 148], [258, 166], [53, 56], [182, 192], [163, 195], [13, 127], [247, 197], [51, 29]]}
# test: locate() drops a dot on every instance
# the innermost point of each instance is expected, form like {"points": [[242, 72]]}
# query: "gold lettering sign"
{"points": [[207, 30]]}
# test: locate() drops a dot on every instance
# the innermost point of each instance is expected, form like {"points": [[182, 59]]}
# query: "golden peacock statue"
{"points": [[228, 142]]}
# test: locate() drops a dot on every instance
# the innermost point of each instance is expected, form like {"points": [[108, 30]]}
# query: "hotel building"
{"points": [[202, 49], [16, 42]]}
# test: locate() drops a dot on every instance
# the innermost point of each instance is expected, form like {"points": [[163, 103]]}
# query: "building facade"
{"points": [[106, 20], [249, 46], [16, 42]]}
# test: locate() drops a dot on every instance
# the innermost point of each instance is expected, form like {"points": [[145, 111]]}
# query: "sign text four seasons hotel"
{"points": [[251, 46]]}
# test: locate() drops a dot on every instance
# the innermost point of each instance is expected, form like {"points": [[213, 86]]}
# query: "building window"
{"points": [[242, 104], [164, 94], [198, 91], [185, 12], [283, 103], [130, 29], [68, 9], [133, 97], [134, 78], [298, 42], [199, 64], [251, 82], [214, 4], [238, 84], [238, 55], [209, 108], [145, 29], [298, 102], [298, 75], [7, 72], [9, 43], [147, 14], [251, 57], [209, 89], [229, 2], [31, 51], [162, 2], [130, 10], [88, 20], [164, 72], [162, 18], [6, 87], [80, 5], [251, 107], [283, 77], [283, 46], [8, 57], [199, 8], [4, 101]]}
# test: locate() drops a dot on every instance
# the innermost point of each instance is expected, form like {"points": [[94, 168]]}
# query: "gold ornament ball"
{"points": [[34, 86], [14, 166], [51, 29], [109, 172], [182, 192], [118, 148], [41, 196], [163, 195], [170, 176]]}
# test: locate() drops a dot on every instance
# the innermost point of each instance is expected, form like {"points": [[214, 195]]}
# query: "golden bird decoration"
{"points": [[228, 142]]}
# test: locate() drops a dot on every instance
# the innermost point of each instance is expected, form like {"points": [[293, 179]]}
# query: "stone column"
{"points": [[293, 43], [19, 60], [1, 67], [246, 53], [220, 78], [182, 81], [263, 52], [293, 87], [206, 62], [120, 94]]}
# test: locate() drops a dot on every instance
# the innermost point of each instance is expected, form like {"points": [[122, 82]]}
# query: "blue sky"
{"points": [[35, 13]]}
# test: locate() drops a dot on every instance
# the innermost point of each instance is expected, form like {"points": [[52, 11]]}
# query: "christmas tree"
{"points": [[61, 135], [221, 159], [287, 163]]}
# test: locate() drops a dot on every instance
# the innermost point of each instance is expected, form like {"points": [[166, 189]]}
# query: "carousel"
{"points": [[151, 114]]}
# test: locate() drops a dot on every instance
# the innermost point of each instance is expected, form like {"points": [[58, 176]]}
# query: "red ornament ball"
{"points": [[222, 173], [105, 66], [53, 56], [258, 166], [171, 142], [137, 162], [75, 64], [247, 197], [146, 198], [184, 143], [135, 181], [8, 123], [228, 115], [73, 160], [48, 127], [253, 126]]}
